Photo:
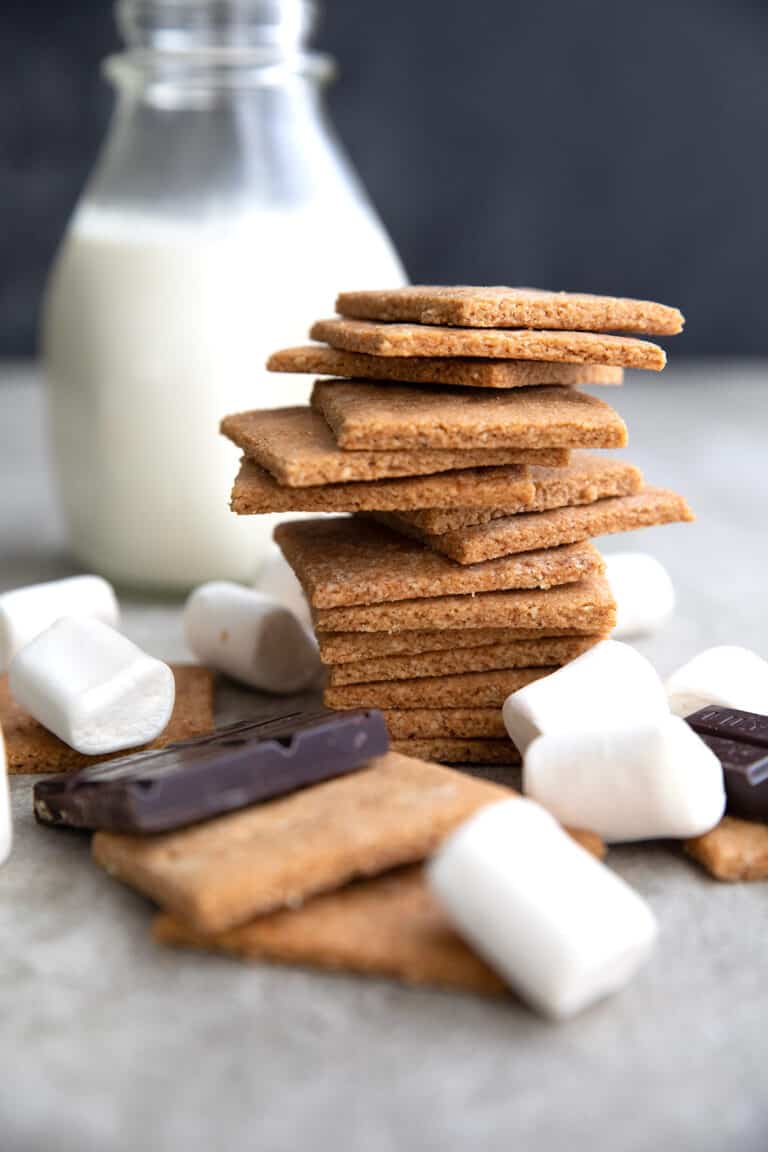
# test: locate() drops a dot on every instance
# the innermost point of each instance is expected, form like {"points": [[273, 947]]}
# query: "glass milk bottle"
{"points": [[221, 220]]}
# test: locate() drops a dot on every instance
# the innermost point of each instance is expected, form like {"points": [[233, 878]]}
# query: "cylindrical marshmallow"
{"points": [[643, 591], [609, 686], [26, 612], [92, 687], [728, 676], [642, 782], [277, 580], [250, 637], [558, 925], [6, 826]]}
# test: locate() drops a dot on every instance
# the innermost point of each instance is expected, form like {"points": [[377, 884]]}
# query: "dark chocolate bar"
{"points": [[740, 742], [198, 779]]}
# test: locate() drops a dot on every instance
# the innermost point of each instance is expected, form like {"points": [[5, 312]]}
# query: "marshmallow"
{"points": [[609, 686], [634, 783], [643, 591], [277, 580], [729, 676], [250, 637], [560, 927], [92, 687], [6, 831], [26, 612]]}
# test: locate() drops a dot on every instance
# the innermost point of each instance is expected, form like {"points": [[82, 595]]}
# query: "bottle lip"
{"points": [[171, 26], [214, 68]]}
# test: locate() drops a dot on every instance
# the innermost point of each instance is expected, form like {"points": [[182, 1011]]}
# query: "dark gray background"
{"points": [[604, 146]]}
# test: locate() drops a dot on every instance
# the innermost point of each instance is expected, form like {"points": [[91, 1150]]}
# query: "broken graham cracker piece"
{"points": [[516, 654], [734, 850], [463, 690], [30, 748], [442, 723], [453, 750], [502, 307], [515, 535], [468, 372], [255, 491], [355, 560], [586, 606], [298, 448], [381, 417], [507, 343], [588, 477], [346, 647], [216, 875], [388, 926]]}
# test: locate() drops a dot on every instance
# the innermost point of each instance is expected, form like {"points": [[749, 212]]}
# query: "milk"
{"points": [[153, 331]]}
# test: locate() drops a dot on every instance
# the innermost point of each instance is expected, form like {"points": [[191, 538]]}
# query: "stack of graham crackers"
{"points": [[455, 432]]}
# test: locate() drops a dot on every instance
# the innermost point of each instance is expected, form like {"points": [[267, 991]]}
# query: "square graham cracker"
{"points": [[345, 561], [216, 875], [465, 372], [514, 535], [503, 307], [298, 448], [516, 654], [442, 723], [454, 750], [505, 343], [586, 606], [588, 477], [462, 690], [364, 416], [348, 647], [256, 491], [734, 850], [31, 748]]}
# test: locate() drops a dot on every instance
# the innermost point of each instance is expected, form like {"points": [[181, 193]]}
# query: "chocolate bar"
{"points": [[740, 742], [197, 779]]}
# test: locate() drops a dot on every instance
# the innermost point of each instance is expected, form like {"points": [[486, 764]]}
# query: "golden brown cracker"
{"points": [[31, 748], [509, 344], [454, 750], [433, 723], [348, 647], [216, 875], [463, 690], [464, 372], [502, 307], [734, 850]]}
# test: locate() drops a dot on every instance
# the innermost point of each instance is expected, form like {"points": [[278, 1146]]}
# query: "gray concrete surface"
{"points": [[111, 1045]]}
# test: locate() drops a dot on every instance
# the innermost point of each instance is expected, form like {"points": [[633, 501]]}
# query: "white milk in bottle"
{"points": [[221, 221]]}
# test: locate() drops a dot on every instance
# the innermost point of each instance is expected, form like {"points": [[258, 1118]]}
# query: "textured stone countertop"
{"points": [[112, 1045]]}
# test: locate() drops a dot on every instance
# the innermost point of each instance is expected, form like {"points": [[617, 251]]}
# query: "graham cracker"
{"points": [[586, 606], [346, 561], [464, 372], [387, 417], [442, 723], [502, 307], [515, 654], [255, 491], [216, 875], [517, 534], [587, 478], [31, 748], [390, 926], [463, 690], [298, 448], [346, 647], [505, 343], [452, 750], [734, 850]]}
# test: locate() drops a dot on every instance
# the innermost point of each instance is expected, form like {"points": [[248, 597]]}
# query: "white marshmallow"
{"points": [[729, 676], [250, 637], [26, 612], [556, 923], [277, 580], [634, 783], [6, 827], [609, 686], [92, 687], [643, 591]]}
